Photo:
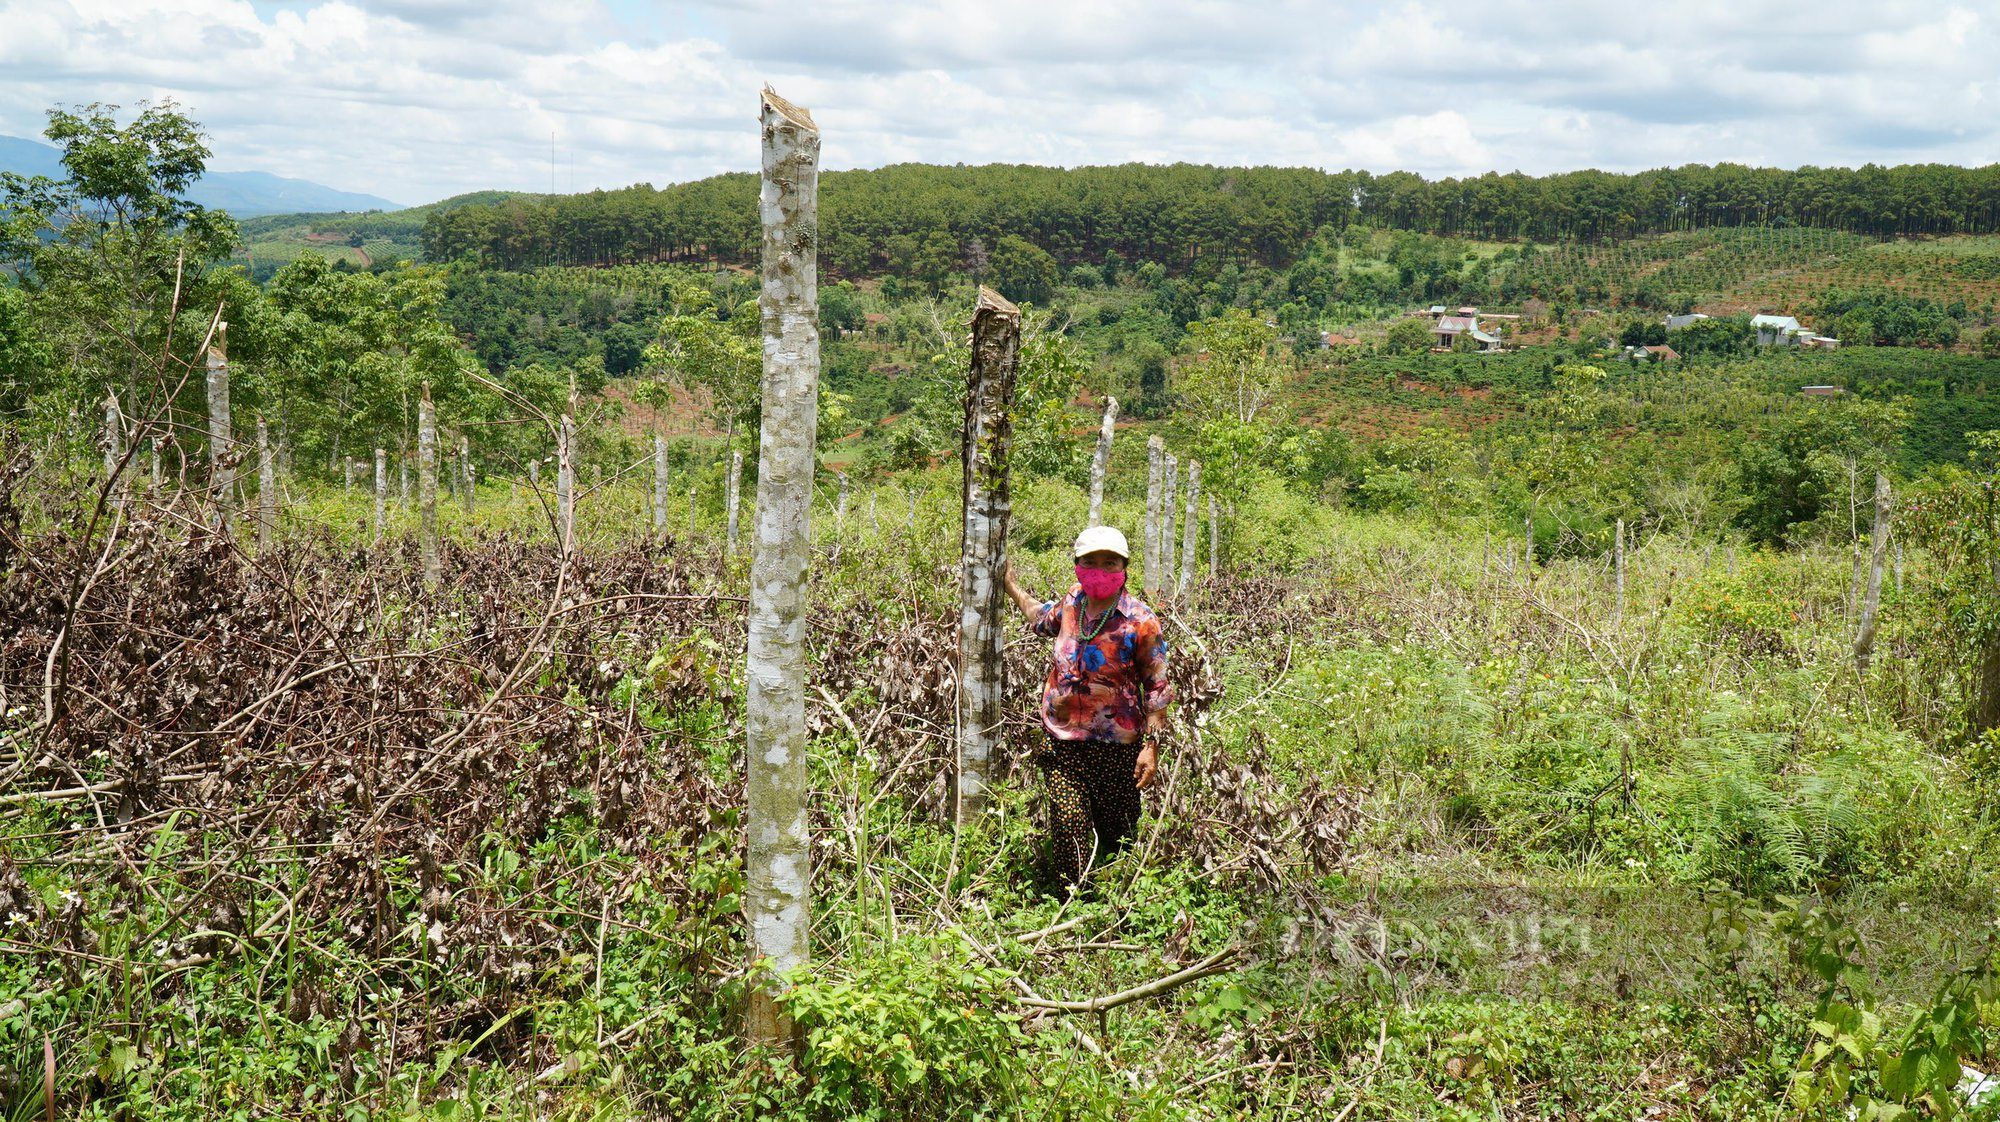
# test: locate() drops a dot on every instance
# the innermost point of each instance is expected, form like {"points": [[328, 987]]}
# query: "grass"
{"points": [[1534, 808]]}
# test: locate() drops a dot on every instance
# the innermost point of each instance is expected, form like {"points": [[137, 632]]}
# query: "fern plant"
{"points": [[1748, 814]]}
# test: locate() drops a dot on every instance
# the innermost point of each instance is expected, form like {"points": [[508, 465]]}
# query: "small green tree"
{"points": [[1409, 336], [1237, 371], [109, 248]]}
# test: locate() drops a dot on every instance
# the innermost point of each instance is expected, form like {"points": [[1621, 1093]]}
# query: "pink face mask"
{"points": [[1099, 583]]}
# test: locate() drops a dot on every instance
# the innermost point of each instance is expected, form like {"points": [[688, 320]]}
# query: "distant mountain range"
{"points": [[243, 194]]}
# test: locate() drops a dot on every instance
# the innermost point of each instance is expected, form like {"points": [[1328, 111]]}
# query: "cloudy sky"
{"points": [[414, 100]]}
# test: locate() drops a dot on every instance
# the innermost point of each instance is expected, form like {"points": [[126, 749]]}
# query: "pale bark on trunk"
{"points": [[158, 473], [1169, 491], [1878, 555], [403, 475], [1100, 464], [267, 488], [691, 492], [1618, 562], [732, 497], [220, 431], [381, 492], [566, 484], [1190, 529], [659, 485], [469, 475], [777, 870], [1899, 567], [1156, 474], [1214, 540], [114, 450], [1528, 546], [840, 504], [989, 438], [427, 486]]}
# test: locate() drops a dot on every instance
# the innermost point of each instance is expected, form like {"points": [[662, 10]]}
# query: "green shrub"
{"points": [[909, 1032]]}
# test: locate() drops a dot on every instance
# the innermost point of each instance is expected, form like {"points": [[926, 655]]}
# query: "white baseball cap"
{"points": [[1102, 537]]}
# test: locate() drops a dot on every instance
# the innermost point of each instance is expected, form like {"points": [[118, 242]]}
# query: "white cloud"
{"points": [[417, 99]]}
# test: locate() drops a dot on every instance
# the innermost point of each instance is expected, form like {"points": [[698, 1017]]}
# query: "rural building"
{"points": [[1648, 354], [1819, 342], [1822, 391], [1675, 323], [1336, 339], [1449, 328], [1777, 330], [1436, 310], [1662, 353]]}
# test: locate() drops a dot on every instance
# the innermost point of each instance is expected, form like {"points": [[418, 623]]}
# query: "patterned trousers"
{"points": [[1093, 803]]}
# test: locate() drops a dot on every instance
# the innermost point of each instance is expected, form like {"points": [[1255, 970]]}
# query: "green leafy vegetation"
{"points": [[1469, 811]]}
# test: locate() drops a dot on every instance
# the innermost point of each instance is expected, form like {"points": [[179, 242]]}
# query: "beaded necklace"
{"points": [[1102, 618]]}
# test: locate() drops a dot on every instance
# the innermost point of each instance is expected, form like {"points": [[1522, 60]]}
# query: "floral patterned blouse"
{"points": [[1103, 688]]}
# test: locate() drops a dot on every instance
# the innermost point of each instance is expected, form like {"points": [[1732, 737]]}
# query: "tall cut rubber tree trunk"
{"points": [[220, 431], [1618, 562], [381, 492], [1214, 540], [427, 485], [840, 504], [732, 500], [1156, 474], [468, 474], [114, 450], [566, 484], [1190, 528], [659, 486], [1100, 464], [779, 861], [1878, 555], [1169, 493], [989, 438], [267, 488]]}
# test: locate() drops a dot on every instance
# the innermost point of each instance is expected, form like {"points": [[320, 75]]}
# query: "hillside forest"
{"points": [[1589, 711]]}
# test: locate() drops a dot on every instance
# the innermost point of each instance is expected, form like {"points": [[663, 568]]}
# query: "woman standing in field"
{"points": [[1106, 690]]}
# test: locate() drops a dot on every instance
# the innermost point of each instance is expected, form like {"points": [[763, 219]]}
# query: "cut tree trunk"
{"points": [[566, 484], [427, 485], [1214, 540], [989, 438], [733, 499], [1878, 555], [1618, 562], [659, 485], [468, 475], [1168, 493], [220, 431], [267, 488], [1190, 529], [1100, 464], [381, 492], [777, 870], [114, 450], [1156, 474]]}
